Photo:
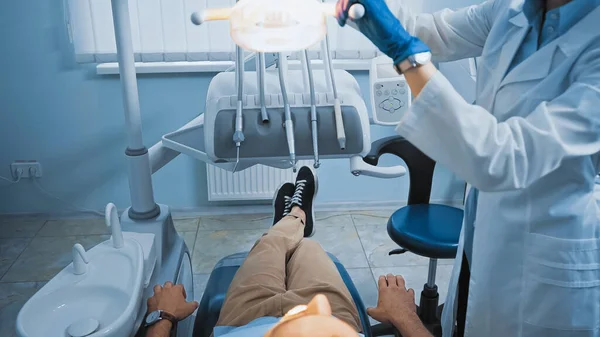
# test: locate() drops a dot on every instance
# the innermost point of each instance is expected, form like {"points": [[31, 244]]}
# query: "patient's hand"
{"points": [[171, 298], [395, 304]]}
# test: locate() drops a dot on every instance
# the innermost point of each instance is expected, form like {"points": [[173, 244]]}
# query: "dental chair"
{"points": [[220, 279], [425, 229]]}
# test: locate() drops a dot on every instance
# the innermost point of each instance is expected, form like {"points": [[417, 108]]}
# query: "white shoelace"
{"points": [[295, 199], [288, 205]]}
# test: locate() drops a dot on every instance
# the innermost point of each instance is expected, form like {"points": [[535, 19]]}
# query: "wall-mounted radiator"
{"points": [[256, 183]]}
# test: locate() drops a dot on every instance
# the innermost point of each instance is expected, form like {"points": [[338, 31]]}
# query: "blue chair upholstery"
{"points": [[220, 279], [427, 229]]}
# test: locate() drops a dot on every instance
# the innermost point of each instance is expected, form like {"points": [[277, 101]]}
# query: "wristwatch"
{"points": [[158, 315], [412, 61]]}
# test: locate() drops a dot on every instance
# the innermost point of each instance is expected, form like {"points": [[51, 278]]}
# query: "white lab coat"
{"points": [[531, 146]]}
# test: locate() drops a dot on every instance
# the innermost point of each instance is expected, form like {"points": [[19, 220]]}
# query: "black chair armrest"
{"points": [[420, 166], [378, 148]]}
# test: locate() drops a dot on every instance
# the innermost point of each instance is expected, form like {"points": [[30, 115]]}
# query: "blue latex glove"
{"points": [[383, 29]]}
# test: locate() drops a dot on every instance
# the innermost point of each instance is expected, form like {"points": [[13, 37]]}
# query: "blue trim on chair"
{"points": [[360, 306]]}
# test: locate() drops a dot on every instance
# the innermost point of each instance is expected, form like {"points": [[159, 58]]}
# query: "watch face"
{"points": [[422, 58], [153, 317]]}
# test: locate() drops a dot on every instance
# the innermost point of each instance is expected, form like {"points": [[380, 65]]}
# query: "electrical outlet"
{"points": [[24, 166]]}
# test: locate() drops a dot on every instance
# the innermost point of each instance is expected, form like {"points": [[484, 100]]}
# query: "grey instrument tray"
{"points": [[267, 140]]}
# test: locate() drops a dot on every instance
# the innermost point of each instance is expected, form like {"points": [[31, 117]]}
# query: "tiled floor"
{"points": [[33, 251]]}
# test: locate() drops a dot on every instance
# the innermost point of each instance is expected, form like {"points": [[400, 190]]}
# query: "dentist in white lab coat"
{"points": [[530, 146]]}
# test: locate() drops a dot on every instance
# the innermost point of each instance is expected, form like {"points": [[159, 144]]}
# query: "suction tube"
{"points": [[288, 124], [313, 110]]}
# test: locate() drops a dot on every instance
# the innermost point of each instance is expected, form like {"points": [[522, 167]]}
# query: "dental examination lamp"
{"points": [[276, 26]]}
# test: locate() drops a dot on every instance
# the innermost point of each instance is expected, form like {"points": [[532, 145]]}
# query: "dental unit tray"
{"points": [[209, 139]]}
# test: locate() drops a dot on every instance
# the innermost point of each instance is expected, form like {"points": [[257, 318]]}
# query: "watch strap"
{"points": [[169, 317], [405, 65], [161, 315], [413, 61]]}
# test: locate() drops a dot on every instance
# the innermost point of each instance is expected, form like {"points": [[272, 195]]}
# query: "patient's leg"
{"points": [[310, 271], [258, 286]]}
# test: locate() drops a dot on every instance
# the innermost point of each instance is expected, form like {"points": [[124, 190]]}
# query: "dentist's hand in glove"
{"points": [[386, 32], [381, 27]]}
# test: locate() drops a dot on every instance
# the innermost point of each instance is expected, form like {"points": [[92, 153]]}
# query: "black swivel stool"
{"points": [[420, 227]]}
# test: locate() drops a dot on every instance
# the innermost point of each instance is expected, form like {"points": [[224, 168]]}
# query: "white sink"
{"points": [[101, 302]]}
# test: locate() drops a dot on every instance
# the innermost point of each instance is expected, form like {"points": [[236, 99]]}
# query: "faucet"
{"points": [[112, 221], [80, 259]]}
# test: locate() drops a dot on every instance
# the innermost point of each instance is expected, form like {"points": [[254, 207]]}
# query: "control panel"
{"points": [[390, 94]]}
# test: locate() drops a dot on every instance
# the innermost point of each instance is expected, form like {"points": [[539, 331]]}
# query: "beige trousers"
{"points": [[281, 271]]}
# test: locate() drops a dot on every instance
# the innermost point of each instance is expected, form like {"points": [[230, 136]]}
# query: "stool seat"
{"points": [[428, 230]]}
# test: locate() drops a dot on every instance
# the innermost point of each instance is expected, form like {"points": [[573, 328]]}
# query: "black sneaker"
{"points": [[304, 194], [282, 201]]}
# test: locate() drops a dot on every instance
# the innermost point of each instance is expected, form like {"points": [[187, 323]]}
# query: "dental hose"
{"points": [[238, 135], [288, 124], [326, 66], [313, 111], [303, 60], [339, 119]]}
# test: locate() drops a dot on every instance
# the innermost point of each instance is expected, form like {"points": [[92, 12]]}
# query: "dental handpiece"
{"points": [[288, 124], [238, 135], [313, 111], [260, 71]]}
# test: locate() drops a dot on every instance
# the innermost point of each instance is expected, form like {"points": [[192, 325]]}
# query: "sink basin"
{"points": [[101, 302]]}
